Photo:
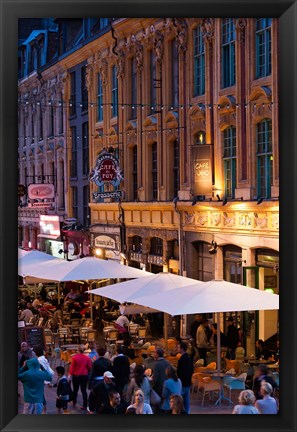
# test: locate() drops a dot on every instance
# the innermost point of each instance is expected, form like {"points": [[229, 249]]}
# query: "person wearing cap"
{"points": [[98, 397], [80, 368]]}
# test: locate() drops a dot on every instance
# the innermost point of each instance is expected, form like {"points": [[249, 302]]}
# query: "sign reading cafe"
{"points": [[106, 171]]}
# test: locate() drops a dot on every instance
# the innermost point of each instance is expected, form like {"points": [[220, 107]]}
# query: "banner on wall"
{"points": [[202, 169]]}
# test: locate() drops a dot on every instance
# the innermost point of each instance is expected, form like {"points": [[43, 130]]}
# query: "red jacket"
{"points": [[80, 365]]}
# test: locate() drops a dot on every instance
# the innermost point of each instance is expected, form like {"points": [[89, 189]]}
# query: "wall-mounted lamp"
{"points": [[225, 201], [198, 198], [214, 248], [259, 200], [218, 197]]}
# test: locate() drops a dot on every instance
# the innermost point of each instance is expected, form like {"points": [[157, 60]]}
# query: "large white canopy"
{"points": [[149, 286], [89, 268], [34, 258]]}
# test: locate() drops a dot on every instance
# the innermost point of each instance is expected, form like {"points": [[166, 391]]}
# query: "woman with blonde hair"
{"points": [[176, 403], [140, 406], [111, 352], [246, 400]]}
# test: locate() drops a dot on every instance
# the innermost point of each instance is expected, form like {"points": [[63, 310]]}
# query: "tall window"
{"points": [[84, 89], [40, 124], [264, 158], [62, 185], [61, 117], [32, 127], [86, 192], [156, 246], [114, 92], [133, 89], [99, 98], [154, 171], [51, 121], [228, 52], [73, 162], [199, 62], [74, 202], [174, 73], [176, 158], [85, 148], [53, 178], [229, 156], [263, 47], [153, 82], [134, 172], [72, 102]]}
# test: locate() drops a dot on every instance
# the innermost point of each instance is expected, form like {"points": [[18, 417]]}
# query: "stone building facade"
{"points": [[190, 109]]}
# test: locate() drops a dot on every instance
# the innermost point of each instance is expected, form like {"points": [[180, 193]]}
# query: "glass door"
{"points": [[250, 325]]}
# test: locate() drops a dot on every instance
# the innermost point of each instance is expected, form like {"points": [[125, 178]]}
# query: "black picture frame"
{"points": [[12, 10]]}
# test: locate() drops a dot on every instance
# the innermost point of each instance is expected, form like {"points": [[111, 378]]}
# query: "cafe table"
{"points": [[221, 376]]}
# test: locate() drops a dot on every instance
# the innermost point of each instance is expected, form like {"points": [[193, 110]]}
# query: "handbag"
{"points": [[154, 398]]}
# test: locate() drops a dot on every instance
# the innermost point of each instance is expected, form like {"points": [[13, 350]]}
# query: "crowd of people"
{"points": [[111, 383]]}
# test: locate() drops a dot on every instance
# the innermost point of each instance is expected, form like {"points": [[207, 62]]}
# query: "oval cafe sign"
{"points": [[106, 171]]}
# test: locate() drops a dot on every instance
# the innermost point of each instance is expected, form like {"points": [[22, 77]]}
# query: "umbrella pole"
{"points": [[166, 331], [219, 342], [91, 304], [59, 295]]}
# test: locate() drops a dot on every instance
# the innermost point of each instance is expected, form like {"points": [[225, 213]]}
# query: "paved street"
{"points": [[50, 395]]}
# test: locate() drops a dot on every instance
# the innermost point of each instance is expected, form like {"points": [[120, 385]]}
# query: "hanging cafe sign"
{"points": [[106, 171]]}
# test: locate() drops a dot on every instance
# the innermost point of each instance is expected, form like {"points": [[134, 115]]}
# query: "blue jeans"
{"points": [[33, 408], [186, 397]]}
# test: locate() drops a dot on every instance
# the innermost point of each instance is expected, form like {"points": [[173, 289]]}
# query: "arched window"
{"points": [[263, 47]]}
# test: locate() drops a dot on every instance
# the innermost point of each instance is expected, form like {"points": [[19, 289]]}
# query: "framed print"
{"points": [[239, 212]]}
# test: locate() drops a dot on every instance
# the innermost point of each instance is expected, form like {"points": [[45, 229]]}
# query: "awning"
{"points": [[49, 236]]}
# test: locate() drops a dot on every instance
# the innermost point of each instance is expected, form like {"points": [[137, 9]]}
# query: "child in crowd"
{"points": [[62, 390]]}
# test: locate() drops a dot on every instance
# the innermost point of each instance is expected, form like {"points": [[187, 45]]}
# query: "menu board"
{"points": [[21, 334], [34, 336]]}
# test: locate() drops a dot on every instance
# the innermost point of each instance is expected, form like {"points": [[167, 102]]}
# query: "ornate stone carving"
{"points": [[228, 221], [202, 218], [275, 221], [101, 66], [207, 28], [139, 55], [120, 64], [89, 76], [181, 32], [159, 46], [260, 222], [241, 25], [216, 218], [245, 220], [189, 218]]}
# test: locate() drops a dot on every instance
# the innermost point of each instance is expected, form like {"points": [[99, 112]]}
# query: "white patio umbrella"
{"points": [[131, 309], [22, 252], [198, 297], [34, 258], [131, 291], [89, 268]]}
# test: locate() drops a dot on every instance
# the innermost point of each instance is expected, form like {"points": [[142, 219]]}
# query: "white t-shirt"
{"points": [[146, 408], [122, 320]]}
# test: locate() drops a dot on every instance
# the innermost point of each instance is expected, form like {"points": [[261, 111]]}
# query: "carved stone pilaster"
{"points": [[139, 55], [120, 62], [101, 66], [89, 76], [181, 33], [241, 26], [207, 28], [158, 46]]}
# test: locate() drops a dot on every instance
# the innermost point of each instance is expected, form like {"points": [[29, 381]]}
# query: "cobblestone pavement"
{"points": [[50, 396]]}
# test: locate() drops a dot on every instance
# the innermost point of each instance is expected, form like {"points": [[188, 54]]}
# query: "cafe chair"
{"points": [[111, 336], [234, 364], [132, 329], [141, 334], [49, 340], [209, 387], [234, 383], [65, 335]]}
